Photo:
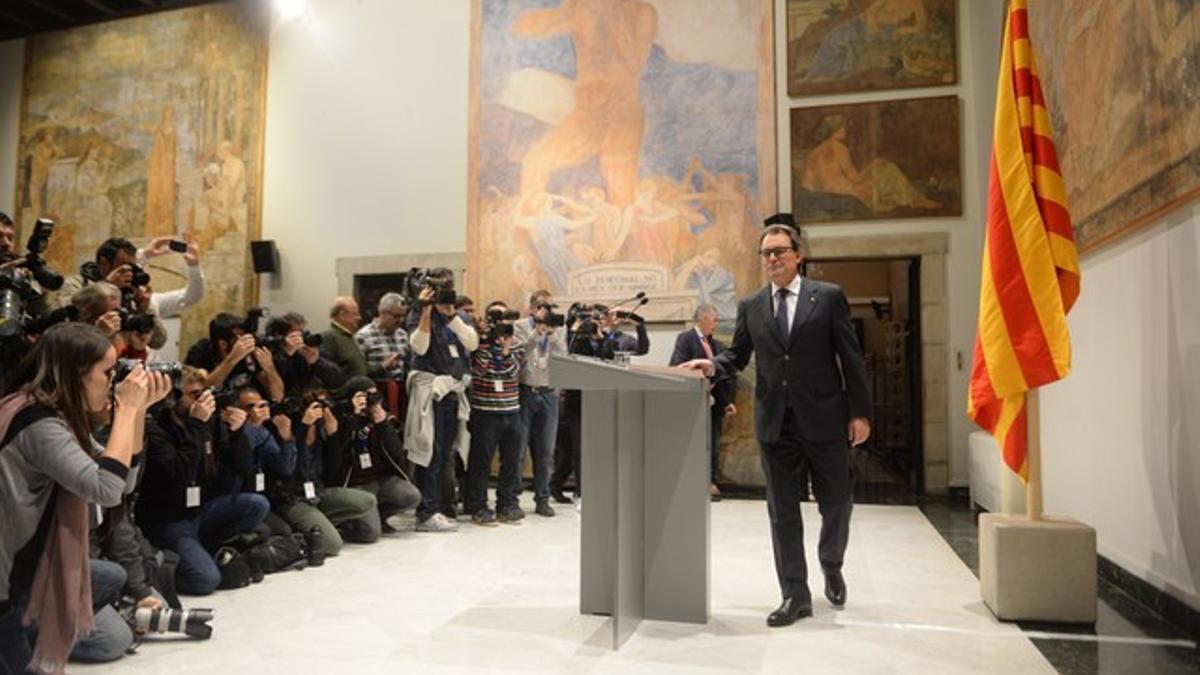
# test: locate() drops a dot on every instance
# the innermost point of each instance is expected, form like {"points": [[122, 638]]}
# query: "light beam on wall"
{"points": [[290, 9]]}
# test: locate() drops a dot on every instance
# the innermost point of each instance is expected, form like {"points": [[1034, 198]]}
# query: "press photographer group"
{"points": [[131, 481]]}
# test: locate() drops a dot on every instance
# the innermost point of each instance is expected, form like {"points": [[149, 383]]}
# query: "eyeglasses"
{"points": [[776, 252]]}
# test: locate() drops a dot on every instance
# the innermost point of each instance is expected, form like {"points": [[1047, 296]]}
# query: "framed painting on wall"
{"points": [[868, 161], [1126, 120], [840, 46], [150, 127], [618, 147]]}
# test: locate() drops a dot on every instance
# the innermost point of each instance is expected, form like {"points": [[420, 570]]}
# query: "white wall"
{"points": [[980, 28], [366, 140], [1121, 433], [12, 65]]}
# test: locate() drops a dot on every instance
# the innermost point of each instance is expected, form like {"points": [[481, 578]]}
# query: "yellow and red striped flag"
{"points": [[1030, 265]]}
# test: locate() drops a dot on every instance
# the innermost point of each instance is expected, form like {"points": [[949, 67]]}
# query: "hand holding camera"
{"points": [[358, 402], [378, 414], [233, 417], [204, 407], [283, 425], [242, 347], [109, 322], [312, 413]]}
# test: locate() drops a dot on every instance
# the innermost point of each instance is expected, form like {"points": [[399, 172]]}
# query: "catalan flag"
{"points": [[1030, 265]]}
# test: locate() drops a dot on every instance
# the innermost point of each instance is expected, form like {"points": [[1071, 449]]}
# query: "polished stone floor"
{"points": [[504, 599], [1127, 637]]}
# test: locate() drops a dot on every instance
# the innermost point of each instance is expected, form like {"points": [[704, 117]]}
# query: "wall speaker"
{"points": [[264, 256]]}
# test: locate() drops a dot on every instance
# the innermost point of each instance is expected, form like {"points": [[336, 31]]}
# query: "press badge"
{"points": [[453, 351], [99, 514], [498, 386], [310, 490], [193, 497], [364, 460], [260, 481]]}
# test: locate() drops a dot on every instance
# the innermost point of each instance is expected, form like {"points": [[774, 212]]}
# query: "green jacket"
{"points": [[338, 345]]}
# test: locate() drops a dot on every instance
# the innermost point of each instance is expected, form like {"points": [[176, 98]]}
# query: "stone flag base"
{"points": [[1037, 571]]}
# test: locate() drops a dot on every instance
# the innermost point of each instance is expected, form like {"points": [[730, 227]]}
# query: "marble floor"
{"points": [[504, 599]]}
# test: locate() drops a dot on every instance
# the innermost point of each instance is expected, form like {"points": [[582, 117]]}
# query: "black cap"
{"points": [[780, 219]]}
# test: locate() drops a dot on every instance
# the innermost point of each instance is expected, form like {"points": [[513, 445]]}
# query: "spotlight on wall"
{"points": [[290, 9]]}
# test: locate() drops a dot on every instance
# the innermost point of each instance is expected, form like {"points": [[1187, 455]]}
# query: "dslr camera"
{"points": [[136, 322], [16, 287], [190, 622]]}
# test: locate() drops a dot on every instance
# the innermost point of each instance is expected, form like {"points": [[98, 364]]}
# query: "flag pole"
{"points": [[1033, 457]]}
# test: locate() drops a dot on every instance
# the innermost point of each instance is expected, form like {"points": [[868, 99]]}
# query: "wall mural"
{"points": [[618, 146], [839, 46], [892, 159], [147, 127], [1126, 119]]}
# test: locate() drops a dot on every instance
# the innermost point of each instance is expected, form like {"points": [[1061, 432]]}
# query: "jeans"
{"points": [[539, 419], [110, 636], [429, 478], [488, 430], [220, 518]]}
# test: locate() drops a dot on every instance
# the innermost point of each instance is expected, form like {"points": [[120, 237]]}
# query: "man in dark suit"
{"points": [[698, 343], [810, 396]]}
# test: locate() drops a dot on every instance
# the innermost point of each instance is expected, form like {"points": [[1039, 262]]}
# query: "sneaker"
{"points": [[512, 514], [484, 517], [436, 523], [544, 509]]}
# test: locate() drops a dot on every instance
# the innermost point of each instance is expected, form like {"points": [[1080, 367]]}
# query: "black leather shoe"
{"points": [[835, 588], [789, 612], [561, 498]]}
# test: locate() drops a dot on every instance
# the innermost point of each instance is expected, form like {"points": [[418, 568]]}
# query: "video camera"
{"points": [[419, 278], [550, 318], [16, 287]]}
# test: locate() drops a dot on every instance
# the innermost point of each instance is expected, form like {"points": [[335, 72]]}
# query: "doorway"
{"points": [[885, 307]]}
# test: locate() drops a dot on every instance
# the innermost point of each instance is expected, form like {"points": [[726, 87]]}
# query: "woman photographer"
{"points": [[53, 469]]}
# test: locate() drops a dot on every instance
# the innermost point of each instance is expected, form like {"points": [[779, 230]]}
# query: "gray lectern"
{"points": [[645, 539]]}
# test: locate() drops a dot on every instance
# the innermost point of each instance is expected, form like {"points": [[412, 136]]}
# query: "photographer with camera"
{"points": [[116, 263], [53, 469], [172, 303], [495, 419], [231, 354], [384, 342], [268, 428], [542, 334], [338, 343], [595, 331], [99, 305], [313, 498], [297, 355], [442, 340], [198, 462], [372, 458]]}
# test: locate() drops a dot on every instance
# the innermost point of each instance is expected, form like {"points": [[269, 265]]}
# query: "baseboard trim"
{"points": [[1171, 609]]}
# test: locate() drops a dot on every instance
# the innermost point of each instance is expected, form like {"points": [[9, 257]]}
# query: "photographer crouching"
{"points": [[53, 471], [371, 462], [442, 340], [194, 496]]}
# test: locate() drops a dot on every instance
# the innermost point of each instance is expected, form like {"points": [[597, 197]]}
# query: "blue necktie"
{"points": [[781, 320]]}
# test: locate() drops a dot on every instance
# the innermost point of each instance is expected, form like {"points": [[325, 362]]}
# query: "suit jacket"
{"points": [[817, 371], [688, 347]]}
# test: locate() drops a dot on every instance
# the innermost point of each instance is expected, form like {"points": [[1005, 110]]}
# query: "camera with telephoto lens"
{"points": [[135, 322], [190, 622], [289, 406], [125, 366], [16, 289]]}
